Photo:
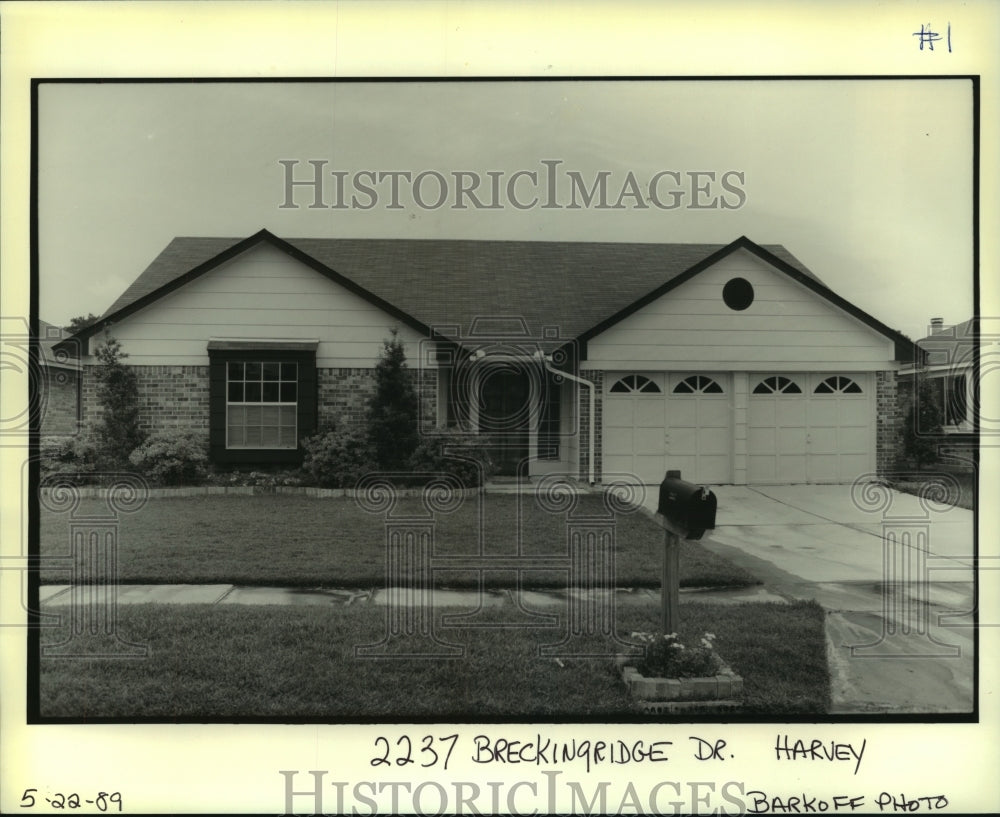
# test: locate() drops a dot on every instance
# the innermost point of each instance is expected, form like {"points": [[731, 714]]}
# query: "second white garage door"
{"points": [[809, 428]]}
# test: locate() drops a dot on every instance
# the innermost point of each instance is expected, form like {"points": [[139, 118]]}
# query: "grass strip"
{"points": [[294, 541], [293, 662]]}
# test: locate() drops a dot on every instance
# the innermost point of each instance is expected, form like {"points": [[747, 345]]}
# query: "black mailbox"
{"points": [[689, 508]]}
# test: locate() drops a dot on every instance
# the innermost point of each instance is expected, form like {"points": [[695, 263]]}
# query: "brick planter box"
{"points": [[709, 694]]}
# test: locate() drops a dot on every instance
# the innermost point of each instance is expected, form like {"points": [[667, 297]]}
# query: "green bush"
{"points": [[172, 457], [258, 478], [393, 409], [118, 431], [467, 456], [79, 454], [338, 459], [921, 435]]}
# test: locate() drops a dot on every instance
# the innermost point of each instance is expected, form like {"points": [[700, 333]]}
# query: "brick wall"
{"points": [[61, 396], [177, 396], [888, 421], [169, 397], [597, 378], [344, 395]]}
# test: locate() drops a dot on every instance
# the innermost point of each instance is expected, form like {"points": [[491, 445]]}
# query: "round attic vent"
{"points": [[738, 294]]}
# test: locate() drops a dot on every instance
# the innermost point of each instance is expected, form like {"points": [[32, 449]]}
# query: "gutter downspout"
{"points": [[546, 362]]}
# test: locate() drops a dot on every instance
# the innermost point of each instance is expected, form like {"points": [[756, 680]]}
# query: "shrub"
{"points": [[172, 457], [922, 425], [258, 479], [118, 393], [392, 412], [667, 657], [338, 459], [467, 456], [79, 454]]}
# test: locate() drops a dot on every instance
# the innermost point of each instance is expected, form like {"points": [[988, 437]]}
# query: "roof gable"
{"points": [[579, 288]]}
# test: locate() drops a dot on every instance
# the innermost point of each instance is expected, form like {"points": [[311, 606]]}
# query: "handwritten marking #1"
{"points": [[928, 36]]}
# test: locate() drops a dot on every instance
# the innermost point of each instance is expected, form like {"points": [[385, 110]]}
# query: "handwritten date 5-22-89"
{"points": [[102, 800]]}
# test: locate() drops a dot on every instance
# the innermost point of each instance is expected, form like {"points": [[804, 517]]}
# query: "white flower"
{"points": [[677, 646]]}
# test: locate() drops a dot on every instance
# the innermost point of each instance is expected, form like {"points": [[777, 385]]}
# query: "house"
{"points": [[59, 403], [947, 359], [733, 364]]}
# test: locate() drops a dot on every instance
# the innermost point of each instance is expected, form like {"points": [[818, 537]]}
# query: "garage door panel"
{"points": [[823, 412], [854, 440], [762, 413], [618, 463], [793, 467], [683, 413], [790, 411], [649, 469], [686, 464], [619, 413], [823, 469], [823, 441], [618, 441], [789, 440], [763, 442], [714, 469], [761, 468], [714, 414], [649, 412], [713, 443], [649, 441]]}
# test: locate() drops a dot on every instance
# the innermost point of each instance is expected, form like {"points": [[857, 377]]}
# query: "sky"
{"points": [[867, 182]]}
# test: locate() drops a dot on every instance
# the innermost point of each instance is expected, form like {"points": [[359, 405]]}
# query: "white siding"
{"points": [[262, 294], [786, 327]]}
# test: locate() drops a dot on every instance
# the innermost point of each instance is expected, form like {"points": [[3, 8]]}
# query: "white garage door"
{"points": [[809, 428], [654, 423]]}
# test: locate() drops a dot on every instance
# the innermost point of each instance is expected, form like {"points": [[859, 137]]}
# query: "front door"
{"points": [[505, 414]]}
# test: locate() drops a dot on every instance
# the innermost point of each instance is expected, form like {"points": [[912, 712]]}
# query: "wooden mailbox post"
{"points": [[685, 511]]}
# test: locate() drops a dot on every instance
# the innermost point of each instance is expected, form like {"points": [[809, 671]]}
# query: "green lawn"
{"points": [[298, 662], [302, 541]]}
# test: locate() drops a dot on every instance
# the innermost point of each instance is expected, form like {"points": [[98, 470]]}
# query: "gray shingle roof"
{"points": [[572, 285]]}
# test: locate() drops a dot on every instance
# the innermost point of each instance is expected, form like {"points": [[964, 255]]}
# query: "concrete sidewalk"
{"points": [[227, 594]]}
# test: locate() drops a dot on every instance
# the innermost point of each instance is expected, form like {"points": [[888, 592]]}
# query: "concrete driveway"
{"points": [[894, 575]]}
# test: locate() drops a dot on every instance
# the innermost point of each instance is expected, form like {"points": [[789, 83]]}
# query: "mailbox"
{"points": [[688, 508]]}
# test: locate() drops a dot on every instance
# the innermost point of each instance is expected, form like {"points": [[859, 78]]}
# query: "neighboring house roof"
{"points": [[49, 335], [580, 287], [952, 345]]}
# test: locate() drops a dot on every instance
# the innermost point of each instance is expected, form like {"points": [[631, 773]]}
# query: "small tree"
{"points": [[922, 425], [118, 393], [81, 322], [392, 412]]}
